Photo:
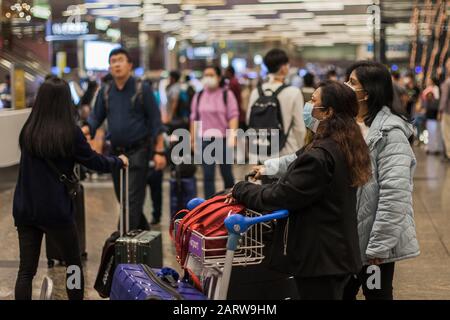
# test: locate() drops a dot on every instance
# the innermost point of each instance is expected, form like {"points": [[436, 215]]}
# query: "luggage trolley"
{"points": [[244, 246]]}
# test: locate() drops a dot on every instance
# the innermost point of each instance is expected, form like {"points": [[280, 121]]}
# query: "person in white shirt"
{"points": [[290, 98]]}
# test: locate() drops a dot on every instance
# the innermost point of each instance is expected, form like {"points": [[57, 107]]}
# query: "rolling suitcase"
{"points": [[140, 282], [181, 192], [260, 282], [125, 246], [183, 187], [140, 247], [53, 252]]}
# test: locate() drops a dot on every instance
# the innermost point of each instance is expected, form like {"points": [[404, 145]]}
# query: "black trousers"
{"points": [[138, 171], [384, 293], [30, 239], [155, 181], [322, 288]]}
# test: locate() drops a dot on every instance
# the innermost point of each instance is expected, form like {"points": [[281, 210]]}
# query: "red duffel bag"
{"points": [[207, 219]]}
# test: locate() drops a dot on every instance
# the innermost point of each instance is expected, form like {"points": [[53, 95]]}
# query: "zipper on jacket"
{"points": [[161, 283], [285, 237]]}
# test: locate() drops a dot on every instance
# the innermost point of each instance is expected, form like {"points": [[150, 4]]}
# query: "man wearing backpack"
{"points": [[134, 123], [274, 105]]}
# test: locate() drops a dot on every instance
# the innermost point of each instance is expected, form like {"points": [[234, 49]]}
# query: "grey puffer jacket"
{"points": [[386, 225]]}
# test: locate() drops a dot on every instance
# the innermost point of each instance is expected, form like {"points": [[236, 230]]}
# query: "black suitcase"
{"points": [[260, 282], [140, 247], [53, 252]]}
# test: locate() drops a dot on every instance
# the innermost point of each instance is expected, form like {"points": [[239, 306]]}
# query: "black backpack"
{"points": [[266, 115]]}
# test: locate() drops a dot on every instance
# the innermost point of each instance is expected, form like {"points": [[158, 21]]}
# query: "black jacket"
{"points": [[40, 198], [321, 231]]}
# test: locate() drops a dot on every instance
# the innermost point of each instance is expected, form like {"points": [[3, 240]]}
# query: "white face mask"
{"points": [[356, 90], [210, 82]]}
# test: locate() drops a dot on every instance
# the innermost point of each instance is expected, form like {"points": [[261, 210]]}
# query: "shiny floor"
{"points": [[425, 277]]}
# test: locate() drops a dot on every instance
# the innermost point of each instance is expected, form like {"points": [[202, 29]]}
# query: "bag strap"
{"points": [[179, 185], [261, 91], [278, 91], [201, 219], [183, 234], [187, 221], [197, 106], [55, 170], [225, 97], [138, 92], [106, 91], [63, 178], [172, 222]]}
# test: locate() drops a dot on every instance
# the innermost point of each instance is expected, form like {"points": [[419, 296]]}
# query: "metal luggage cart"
{"points": [[242, 246]]}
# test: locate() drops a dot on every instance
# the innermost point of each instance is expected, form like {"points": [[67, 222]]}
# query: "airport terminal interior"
{"points": [[173, 48]]}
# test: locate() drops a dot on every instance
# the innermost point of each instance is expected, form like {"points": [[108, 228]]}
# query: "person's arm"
{"points": [[194, 118], [444, 96], [232, 115], [173, 101], [298, 129], [394, 164], [251, 101], [278, 166], [87, 157], [155, 125], [304, 184], [97, 115]]}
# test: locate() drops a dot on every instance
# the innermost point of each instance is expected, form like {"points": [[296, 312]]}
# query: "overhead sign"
{"points": [[200, 52], [70, 29]]}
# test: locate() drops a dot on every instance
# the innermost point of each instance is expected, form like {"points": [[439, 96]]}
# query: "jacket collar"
{"points": [[384, 122], [128, 84]]}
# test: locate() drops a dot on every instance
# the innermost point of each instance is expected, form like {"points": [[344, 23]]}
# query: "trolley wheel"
{"points": [[50, 263]]}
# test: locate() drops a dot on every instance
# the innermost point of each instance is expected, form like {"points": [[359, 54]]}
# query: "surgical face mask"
{"points": [[355, 90], [310, 122], [210, 82]]}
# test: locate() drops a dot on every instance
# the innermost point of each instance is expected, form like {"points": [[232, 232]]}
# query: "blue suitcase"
{"points": [[181, 192], [140, 282]]}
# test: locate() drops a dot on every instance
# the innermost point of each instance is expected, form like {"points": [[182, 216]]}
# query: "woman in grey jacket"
{"points": [[386, 225]]}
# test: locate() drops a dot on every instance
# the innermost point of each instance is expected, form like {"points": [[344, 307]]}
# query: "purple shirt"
{"points": [[213, 113]]}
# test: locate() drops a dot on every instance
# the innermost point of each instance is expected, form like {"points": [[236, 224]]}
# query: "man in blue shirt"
{"points": [[134, 124]]}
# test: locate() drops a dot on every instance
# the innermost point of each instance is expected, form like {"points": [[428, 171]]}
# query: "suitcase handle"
{"points": [[124, 224]]}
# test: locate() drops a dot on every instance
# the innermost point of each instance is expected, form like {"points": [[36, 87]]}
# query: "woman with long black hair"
{"points": [[318, 243], [386, 226], [51, 143]]}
